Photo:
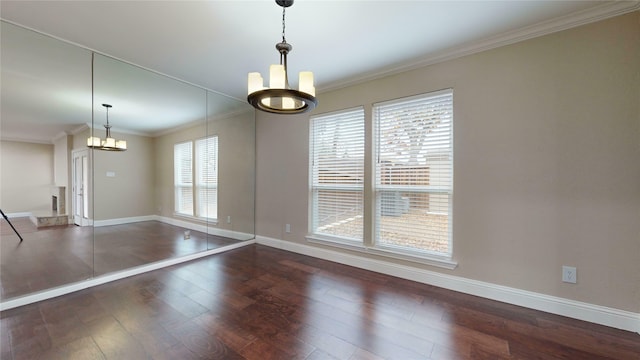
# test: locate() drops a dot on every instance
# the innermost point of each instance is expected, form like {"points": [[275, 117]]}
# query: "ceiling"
{"points": [[214, 44]]}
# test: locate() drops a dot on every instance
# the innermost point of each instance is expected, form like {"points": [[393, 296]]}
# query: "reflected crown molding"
{"points": [[200, 123], [17, 138], [80, 129], [87, 126]]}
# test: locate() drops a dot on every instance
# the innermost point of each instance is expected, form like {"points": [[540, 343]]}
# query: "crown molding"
{"points": [[100, 129], [60, 135], [575, 19], [80, 129], [26, 140]]}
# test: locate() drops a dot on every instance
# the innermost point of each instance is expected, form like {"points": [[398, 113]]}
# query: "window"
{"points": [[410, 185], [203, 202], [413, 173], [183, 171], [337, 175], [207, 177]]}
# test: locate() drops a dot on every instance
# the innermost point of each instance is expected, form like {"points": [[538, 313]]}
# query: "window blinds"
{"points": [[207, 177], [183, 180], [414, 168], [337, 174]]}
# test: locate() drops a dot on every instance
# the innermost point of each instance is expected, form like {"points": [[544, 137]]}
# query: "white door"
{"points": [[80, 174]]}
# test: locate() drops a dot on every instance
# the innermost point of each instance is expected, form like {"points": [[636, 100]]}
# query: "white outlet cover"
{"points": [[569, 274]]}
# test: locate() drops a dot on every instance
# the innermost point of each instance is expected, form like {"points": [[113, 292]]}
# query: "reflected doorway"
{"points": [[80, 186]]}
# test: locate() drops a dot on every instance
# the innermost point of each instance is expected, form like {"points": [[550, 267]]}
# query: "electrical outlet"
{"points": [[287, 228], [229, 219], [569, 274]]}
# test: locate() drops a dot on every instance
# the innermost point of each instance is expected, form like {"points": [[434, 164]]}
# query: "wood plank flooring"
{"points": [[59, 255], [262, 303]]}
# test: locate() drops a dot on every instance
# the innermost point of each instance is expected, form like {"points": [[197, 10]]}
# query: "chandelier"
{"points": [[108, 143], [279, 97]]}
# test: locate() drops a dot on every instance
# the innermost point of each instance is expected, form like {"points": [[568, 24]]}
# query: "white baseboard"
{"points": [[205, 229], [607, 316], [18, 215], [121, 221], [177, 222], [81, 285]]}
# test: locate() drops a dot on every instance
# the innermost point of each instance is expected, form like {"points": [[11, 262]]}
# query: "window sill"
{"points": [[432, 260]]}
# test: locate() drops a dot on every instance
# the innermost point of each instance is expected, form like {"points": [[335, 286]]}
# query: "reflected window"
{"points": [[196, 160], [207, 177], [183, 170]]}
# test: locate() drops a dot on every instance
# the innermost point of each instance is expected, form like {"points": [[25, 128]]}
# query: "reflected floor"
{"points": [[50, 257]]}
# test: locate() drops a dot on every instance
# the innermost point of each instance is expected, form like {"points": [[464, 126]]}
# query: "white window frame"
{"points": [[351, 165], [206, 178], [202, 179], [437, 148], [371, 190], [182, 172]]}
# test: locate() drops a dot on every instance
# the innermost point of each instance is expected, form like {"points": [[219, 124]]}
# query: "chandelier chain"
{"points": [[283, 26]]}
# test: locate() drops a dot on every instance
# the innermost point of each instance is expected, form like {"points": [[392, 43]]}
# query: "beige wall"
{"points": [[61, 153], [236, 149], [131, 191], [62, 146], [236, 142], [546, 172], [25, 189]]}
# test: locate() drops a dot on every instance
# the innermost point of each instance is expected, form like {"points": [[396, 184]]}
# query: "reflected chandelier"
{"points": [[279, 98], [108, 143]]}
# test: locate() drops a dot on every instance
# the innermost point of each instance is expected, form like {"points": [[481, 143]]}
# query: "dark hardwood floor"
{"points": [[59, 255], [262, 303]]}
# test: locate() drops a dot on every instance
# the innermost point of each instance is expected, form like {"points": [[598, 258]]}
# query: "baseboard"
{"points": [[205, 229], [602, 315], [18, 215], [177, 222], [122, 221], [81, 285]]}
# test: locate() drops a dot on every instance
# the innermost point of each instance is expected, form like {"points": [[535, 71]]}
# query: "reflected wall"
{"points": [[126, 214], [45, 94]]}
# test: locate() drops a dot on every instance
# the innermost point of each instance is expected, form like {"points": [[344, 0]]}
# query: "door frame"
{"points": [[78, 219]]}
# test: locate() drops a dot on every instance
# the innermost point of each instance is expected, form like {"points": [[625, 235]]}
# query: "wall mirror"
{"points": [[185, 183]]}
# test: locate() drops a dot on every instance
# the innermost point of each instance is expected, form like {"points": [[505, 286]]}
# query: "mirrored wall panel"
{"points": [[181, 178], [45, 100], [231, 141], [107, 166]]}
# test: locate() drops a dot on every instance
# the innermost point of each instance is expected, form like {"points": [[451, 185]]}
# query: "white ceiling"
{"points": [[214, 44]]}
